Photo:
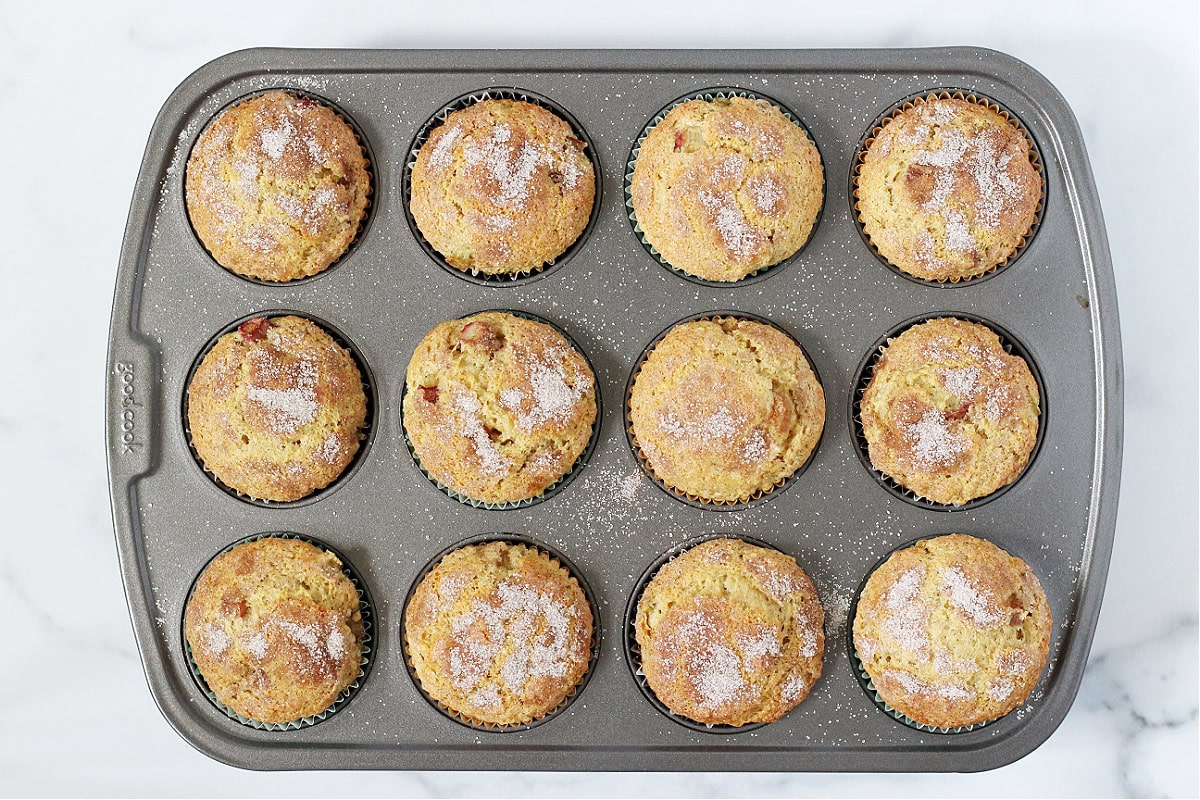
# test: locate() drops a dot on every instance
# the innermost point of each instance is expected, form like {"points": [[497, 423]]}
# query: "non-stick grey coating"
{"points": [[612, 297]]}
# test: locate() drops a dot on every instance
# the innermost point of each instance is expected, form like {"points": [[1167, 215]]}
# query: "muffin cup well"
{"points": [[552, 489], [695, 501], [366, 434], [866, 369], [633, 651], [1035, 158], [368, 212], [554, 555], [368, 651], [709, 95], [860, 672], [469, 99]]}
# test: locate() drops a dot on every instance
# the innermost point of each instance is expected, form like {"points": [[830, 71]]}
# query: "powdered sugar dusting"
{"points": [[285, 410], [766, 193], [443, 151], [553, 398], [512, 169], [491, 461], [932, 441], [808, 640], [793, 688], [276, 139], [913, 685], [758, 644], [962, 383], [214, 639], [533, 627], [977, 604], [715, 670], [907, 612], [836, 604], [1000, 689]]}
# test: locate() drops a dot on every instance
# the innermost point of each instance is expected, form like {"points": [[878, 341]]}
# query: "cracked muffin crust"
{"points": [[497, 407], [275, 627], [724, 410], [949, 414], [953, 631], [499, 633], [502, 187], [276, 410], [947, 189], [723, 188], [277, 187], [730, 633]]}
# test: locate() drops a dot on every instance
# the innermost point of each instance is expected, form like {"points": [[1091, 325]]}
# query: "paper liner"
{"points": [[860, 671], [549, 553], [866, 370], [368, 210], [633, 651], [1035, 158], [366, 434], [347, 694], [709, 95], [754, 498], [472, 275], [552, 489]]}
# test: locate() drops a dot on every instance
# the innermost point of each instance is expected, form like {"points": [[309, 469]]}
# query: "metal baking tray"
{"points": [[612, 297]]}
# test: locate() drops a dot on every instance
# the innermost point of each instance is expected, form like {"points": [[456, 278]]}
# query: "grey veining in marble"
{"points": [[79, 88]]}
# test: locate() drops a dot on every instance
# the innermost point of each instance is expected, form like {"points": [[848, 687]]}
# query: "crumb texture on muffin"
{"points": [[276, 409], [724, 409], [498, 407], [953, 631], [723, 188], [730, 633], [499, 633], [502, 187], [277, 187], [948, 413], [947, 189], [275, 627]]}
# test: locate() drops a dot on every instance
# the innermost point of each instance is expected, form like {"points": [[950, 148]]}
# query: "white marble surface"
{"points": [[79, 88]]}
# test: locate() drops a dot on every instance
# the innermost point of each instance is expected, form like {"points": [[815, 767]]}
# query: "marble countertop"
{"points": [[79, 89]]}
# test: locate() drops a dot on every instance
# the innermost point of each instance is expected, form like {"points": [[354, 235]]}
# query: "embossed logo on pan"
{"points": [[130, 407]]}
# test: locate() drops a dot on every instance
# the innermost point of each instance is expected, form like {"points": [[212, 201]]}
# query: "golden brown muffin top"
{"points": [[277, 187], [730, 633], [723, 188], [276, 408], [947, 189], [498, 407], [499, 633], [953, 631], [502, 187], [949, 413], [726, 409], [275, 628]]}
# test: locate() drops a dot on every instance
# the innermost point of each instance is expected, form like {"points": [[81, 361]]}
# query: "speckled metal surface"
{"points": [[613, 298]]}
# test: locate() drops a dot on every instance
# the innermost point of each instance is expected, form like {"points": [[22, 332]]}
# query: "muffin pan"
{"points": [[1057, 299]]}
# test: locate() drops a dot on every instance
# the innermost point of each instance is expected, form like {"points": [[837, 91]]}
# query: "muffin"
{"points": [[498, 634], [948, 413], [502, 187], [276, 409], [275, 629], [277, 187], [953, 631], [948, 189], [497, 407], [723, 188], [730, 633], [723, 410]]}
